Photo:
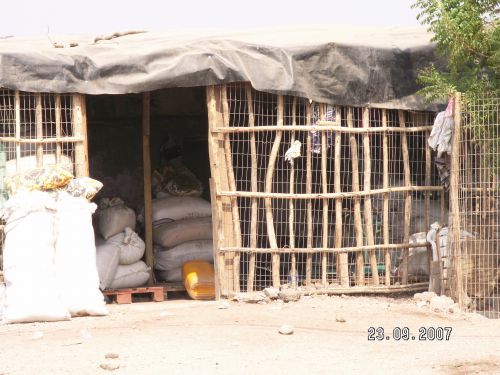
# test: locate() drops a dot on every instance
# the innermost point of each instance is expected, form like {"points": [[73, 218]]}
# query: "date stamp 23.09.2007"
{"points": [[404, 334]]}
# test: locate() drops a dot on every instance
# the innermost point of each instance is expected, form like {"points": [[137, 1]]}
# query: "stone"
{"points": [[271, 292], [441, 303], [286, 329], [425, 296], [340, 318], [289, 295], [454, 309], [110, 366], [111, 356], [251, 297], [37, 335], [224, 305]]}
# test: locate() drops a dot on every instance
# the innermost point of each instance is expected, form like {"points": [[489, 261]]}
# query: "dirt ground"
{"points": [[182, 336]]}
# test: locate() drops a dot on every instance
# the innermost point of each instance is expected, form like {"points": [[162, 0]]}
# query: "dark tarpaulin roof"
{"points": [[338, 65]]}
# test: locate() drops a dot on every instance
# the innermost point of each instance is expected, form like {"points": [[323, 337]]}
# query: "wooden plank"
{"points": [[408, 205], [254, 187], [325, 125], [368, 202], [343, 257], [454, 238], [17, 104], [324, 186], [232, 186], [146, 158], [308, 191], [358, 226], [417, 287], [57, 109], [268, 188], [39, 129], [216, 240], [79, 121], [385, 212]]}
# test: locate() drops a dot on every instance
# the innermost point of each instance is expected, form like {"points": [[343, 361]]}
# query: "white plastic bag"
{"points": [[131, 246], [31, 293], [170, 259], [115, 219], [75, 259], [180, 231], [107, 259], [178, 208], [131, 276]]}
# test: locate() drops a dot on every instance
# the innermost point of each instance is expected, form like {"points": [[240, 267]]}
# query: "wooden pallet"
{"points": [[125, 295]]}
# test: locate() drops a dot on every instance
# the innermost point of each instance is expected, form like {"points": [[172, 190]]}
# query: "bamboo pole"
{"points": [[146, 157], [253, 177], [232, 186], [454, 238], [17, 104], [39, 129], [368, 202], [346, 194], [326, 126], [385, 214], [291, 203], [267, 202], [427, 198], [343, 257], [41, 141], [408, 205], [330, 250], [358, 226], [308, 191], [324, 186], [215, 235], [219, 180], [58, 127], [79, 119]]}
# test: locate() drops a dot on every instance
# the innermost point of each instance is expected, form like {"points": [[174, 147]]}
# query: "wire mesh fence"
{"points": [[475, 257], [38, 129], [313, 194]]}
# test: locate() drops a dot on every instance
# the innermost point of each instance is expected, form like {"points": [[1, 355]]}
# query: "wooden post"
{"points": [[232, 186], [385, 213], [454, 239], [324, 186], [343, 263], [427, 201], [368, 201], [253, 177], [146, 157], [58, 128], [291, 202], [17, 104], [218, 168], [358, 226], [267, 201], [219, 180], [79, 119], [308, 191], [408, 205], [39, 130], [215, 234]]}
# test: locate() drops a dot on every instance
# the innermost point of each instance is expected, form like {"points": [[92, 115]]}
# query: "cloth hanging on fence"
{"points": [[316, 135], [440, 141]]}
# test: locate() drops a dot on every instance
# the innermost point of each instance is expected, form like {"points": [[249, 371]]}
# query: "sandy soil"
{"points": [[191, 337]]}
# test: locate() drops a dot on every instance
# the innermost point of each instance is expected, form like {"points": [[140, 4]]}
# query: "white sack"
{"points": [[175, 257], [31, 293], [131, 276], [107, 259], [171, 276], [131, 246], [115, 219], [178, 208], [75, 259], [180, 231]]}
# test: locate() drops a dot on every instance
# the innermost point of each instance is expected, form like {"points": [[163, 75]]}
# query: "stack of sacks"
{"points": [[49, 252], [182, 231], [120, 250], [119, 261]]}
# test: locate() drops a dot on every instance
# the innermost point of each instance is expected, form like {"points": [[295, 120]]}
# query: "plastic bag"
{"points": [[45, 178], [85, 187]]}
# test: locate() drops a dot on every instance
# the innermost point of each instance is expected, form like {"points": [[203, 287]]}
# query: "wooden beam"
{"points": [[385, 212], [146, 157], [79, 119], [39, 129], [308, 191], [215, 234], [17, 105], [291, 202], [408, 204], [58, 127]]}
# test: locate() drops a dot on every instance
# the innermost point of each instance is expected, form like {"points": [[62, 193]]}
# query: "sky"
{"points": [[94, 17]]}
